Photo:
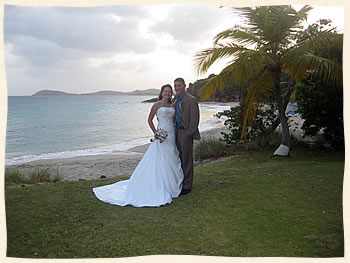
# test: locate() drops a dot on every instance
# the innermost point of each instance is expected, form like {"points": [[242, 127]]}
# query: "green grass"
{"points": [[252, 205]]}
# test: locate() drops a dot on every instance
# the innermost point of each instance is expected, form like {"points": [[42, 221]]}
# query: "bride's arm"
{"points": [[151, 116]]}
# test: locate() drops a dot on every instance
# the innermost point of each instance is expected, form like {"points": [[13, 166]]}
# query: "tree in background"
{"points": [[268, 46], [320, 102]]}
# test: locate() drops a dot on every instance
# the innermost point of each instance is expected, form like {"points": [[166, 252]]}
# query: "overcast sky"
{"points": [[120, 48]]}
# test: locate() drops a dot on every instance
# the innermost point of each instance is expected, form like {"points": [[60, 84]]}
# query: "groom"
{"points": [[187, 121]]}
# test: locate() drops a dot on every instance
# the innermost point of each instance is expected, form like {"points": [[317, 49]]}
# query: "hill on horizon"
{"points": [[102, 93]]}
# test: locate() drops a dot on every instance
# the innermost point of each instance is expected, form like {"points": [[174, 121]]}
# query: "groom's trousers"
{"points": [[184, 143]]}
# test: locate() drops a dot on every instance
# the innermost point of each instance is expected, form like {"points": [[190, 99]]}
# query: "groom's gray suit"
{"points": [[189, 116]]}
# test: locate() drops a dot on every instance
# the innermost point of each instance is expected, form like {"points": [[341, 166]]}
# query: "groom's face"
{"points": [[179, 87]]}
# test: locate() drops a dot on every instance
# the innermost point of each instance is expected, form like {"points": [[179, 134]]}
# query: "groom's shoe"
{"points": [[185, 191]]}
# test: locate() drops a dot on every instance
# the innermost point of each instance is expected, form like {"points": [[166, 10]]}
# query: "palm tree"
{"points": [[269, 46]]}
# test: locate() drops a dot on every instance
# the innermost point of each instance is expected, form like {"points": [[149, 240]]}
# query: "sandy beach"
{"points": [[93, 167]]}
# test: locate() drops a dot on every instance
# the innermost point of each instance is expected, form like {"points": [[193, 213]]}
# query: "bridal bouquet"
{"points": [[160, 135]]}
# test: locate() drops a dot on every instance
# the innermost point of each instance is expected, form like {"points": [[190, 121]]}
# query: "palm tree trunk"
{"points": [[291, 87], [282, 113], [285, 128], [273, 126], [277, 121]]}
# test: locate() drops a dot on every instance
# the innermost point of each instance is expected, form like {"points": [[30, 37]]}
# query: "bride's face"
{"points": [[167, 93]]}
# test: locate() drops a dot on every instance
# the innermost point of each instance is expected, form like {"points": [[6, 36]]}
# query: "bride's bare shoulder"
{"points": [[156, 106]]}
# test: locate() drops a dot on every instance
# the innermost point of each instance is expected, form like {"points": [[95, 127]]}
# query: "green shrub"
{"points": [[265, 116], [320, 103], [211, 148], [43, 176], [269, 141], [14, 176], [266, 141]]}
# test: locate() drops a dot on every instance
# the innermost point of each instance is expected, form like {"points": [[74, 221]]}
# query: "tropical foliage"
{"points": [[320, 102], [272, 43], [321, 106], [265, 117]]}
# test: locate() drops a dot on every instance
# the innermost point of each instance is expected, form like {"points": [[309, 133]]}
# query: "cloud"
{"points": [[103, 30], [127, 65], [189, 22], [39, 52], [119, 10], [111, 47]]}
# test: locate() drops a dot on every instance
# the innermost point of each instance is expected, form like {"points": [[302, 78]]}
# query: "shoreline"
{"points": [[123, 163], [207, 122], [92, 167]]}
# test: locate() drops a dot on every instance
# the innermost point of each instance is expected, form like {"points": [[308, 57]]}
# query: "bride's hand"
{"points": [[155, 137]]}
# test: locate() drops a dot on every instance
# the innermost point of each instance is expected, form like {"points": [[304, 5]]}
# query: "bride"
{"points": [[158, 177]]}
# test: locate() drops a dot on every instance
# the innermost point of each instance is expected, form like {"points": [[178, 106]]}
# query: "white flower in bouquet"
{"points": [[160, 135]]}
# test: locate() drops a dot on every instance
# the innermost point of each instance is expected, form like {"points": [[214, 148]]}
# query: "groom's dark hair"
{"points": [[160, 97], [181, 80]]}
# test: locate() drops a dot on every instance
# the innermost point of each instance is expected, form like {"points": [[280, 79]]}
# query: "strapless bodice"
{"points": [[165, 117]]}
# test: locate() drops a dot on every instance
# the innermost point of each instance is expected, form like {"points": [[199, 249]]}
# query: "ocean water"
{"points": [[49, 127]]}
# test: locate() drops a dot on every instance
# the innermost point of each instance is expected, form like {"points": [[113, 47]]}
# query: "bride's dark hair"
{"points": [[160, 97]]}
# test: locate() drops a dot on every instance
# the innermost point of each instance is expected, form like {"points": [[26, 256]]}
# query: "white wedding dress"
{"points": [[157, 178]]}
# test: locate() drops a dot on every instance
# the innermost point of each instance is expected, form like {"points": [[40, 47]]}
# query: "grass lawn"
{"points": [[252, 205]]}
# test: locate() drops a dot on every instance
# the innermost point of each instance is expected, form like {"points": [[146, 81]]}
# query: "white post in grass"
{"points": [[282, 150]]}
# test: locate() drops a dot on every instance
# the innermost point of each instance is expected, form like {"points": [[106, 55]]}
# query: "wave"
{"points": [[102, 150], [212, 124]]}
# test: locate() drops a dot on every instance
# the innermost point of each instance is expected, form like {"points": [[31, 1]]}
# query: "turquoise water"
{"points": [[51, 127]]}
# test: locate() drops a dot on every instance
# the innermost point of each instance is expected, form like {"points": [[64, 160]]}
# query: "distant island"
{"points": [[227, 93], [147, 92]]}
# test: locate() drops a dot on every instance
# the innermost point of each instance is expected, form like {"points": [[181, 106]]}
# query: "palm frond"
{"points": [[249, 63], [274, 24], [253, 16], [303, 12], [324, 39], [207, 57], [216, 82], [238, 35], [244, 12], [259, 86], [299, 65], [246, 64], [301, 60], [282, 23]]}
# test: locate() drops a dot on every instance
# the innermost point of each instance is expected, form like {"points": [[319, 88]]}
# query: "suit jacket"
{"points": [[189, 115]]}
